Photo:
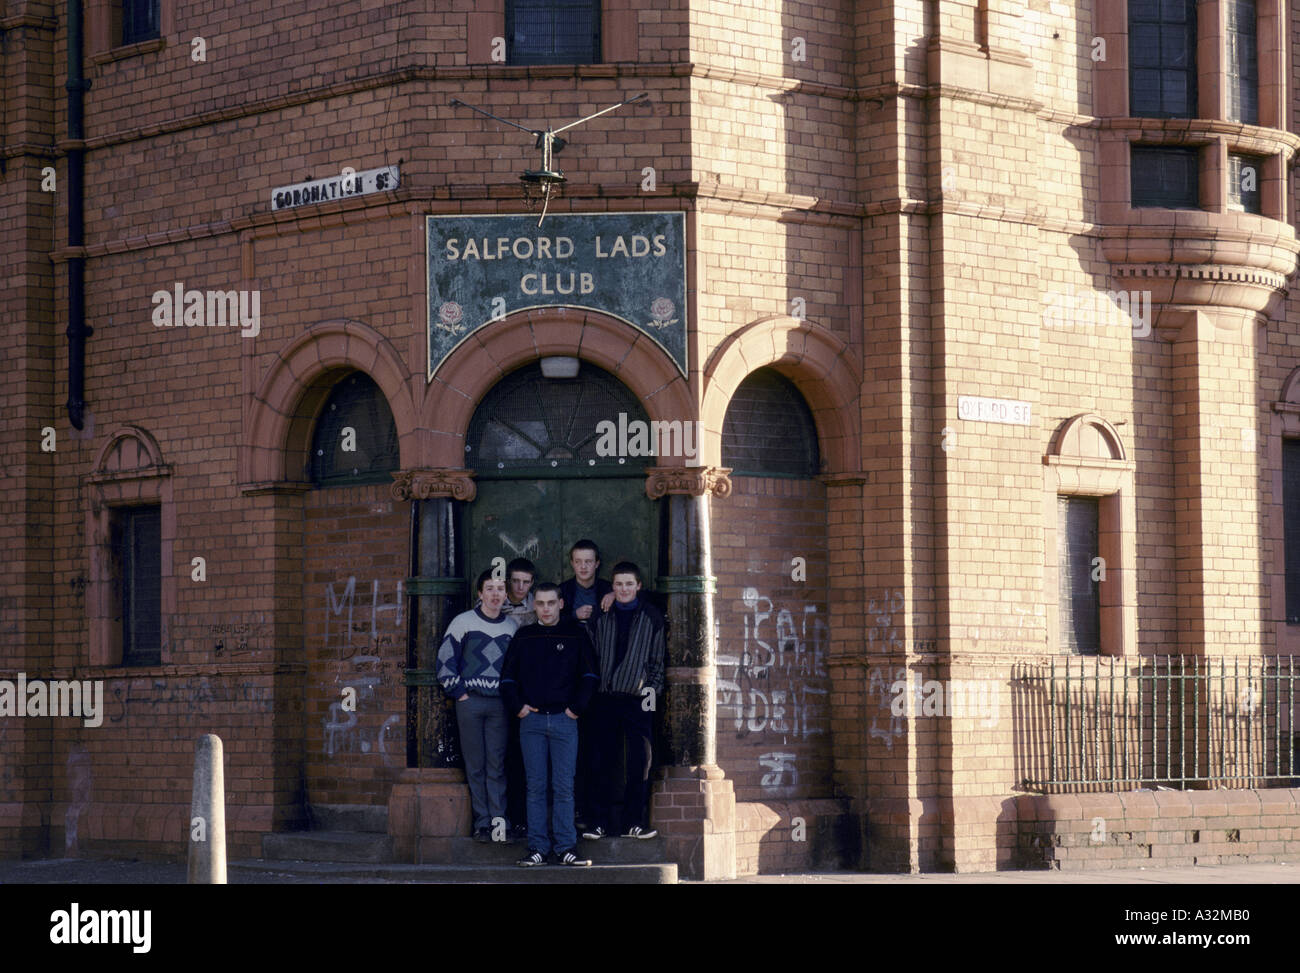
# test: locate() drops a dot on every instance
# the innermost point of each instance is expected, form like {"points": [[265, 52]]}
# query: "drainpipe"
{"points": [[78, 331]]}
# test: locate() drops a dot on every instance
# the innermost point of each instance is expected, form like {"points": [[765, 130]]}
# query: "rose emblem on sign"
{"points": [[662, 310], [450, 316]]}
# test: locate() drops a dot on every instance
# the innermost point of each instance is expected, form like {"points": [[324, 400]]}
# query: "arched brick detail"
{"points": [[278, 420], [810, 356], [491, 352], [130, 448], [1088, 437]]}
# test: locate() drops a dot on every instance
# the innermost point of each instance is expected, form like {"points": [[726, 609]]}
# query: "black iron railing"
{"points": [[1117, 723]]}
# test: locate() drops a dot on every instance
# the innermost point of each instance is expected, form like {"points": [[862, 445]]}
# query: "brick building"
{"points": [[978, 306]]}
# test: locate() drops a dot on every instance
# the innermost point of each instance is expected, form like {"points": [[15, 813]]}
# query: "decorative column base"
{"points": [[426, 809], [694, 809]]}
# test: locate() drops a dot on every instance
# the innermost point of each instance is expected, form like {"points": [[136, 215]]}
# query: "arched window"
{"points": [[769, 429], [355, 439], [529, 423]]}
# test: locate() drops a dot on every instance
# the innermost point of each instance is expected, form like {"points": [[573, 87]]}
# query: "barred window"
{"points": [[355, 439], [1167, 176], [769, 429], [553, 31], [1242, 62], [1162, 58], [137, 581], [1077, 540], [1291, 526]]}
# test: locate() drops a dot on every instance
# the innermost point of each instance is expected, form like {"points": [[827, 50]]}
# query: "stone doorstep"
{"points": [[369, 818], [327, 846], [606, 851], [495, 874]]}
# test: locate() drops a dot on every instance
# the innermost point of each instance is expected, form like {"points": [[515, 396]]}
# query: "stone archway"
{"points": [[279, 415]]}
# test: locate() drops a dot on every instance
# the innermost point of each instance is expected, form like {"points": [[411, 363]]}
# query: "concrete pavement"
{"points": [[88, 872]]}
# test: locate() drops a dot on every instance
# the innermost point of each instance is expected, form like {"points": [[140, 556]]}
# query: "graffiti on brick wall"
{"points": [[7, 783], [188, 693], [777, 688], [1021, 629], [885, 628], [885, 725], [365, 646], [79, 788]]}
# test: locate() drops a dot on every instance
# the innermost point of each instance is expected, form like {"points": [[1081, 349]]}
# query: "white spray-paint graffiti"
{"points": [[885, 725], [378, 636], [778, 686]]}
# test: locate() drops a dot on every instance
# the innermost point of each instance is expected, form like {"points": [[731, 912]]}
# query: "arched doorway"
{"points": [[545, 478]]}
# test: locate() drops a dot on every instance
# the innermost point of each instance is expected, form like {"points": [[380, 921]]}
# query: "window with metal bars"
{"points": [[1242, 58], [1291, 526], [1077, 541], [769, 429], [1162, 58], [137, 580], [355, 439], [534, 425], [141, 20], [553, 31], [1167, 176], [1244, 175]]}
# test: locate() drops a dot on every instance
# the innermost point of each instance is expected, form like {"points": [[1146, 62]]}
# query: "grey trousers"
{"points": [[483, 728]]}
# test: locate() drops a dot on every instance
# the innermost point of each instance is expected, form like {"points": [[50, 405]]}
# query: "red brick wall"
{"points": [[773, 688], [355, 552], [1157, 828]]}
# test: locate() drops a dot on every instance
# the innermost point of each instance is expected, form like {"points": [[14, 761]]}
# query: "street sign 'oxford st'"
{"points": [[628, 265]]}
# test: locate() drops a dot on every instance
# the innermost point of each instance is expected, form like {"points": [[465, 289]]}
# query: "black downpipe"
{"points": [[78, 330]]}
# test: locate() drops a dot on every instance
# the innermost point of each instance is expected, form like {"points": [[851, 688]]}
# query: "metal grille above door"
{"points": [[769, 429], [355, 439], [537, 426]]}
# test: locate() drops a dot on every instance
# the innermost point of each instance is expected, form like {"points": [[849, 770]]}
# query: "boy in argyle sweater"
{"points": [[469, 670]]}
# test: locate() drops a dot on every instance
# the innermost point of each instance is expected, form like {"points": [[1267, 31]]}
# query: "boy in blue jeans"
{"points": [[548, 679]]}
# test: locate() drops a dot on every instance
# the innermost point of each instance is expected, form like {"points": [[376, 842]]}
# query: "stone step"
{"points": [[315, 873], [327, 846], [348, 817], [606, 851]]}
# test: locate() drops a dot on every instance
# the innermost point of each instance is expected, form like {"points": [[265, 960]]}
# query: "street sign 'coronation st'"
{"points": [[629, 265]]}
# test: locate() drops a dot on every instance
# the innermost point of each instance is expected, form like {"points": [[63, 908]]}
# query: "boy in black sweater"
{"points": [[547, 680]]}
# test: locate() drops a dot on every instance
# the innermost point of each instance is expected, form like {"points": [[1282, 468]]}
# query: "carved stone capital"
{"points": [[427, 484], [695, 481]]}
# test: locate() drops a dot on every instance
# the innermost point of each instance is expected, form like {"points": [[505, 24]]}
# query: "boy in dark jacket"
{"points": [[630, 646], [547, 681]]}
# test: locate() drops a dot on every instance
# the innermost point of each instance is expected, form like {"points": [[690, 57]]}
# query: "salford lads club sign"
{"points": [[629, 265]]}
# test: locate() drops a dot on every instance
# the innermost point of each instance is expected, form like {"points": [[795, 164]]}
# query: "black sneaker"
{"points": [[595, 834], [636, 831], [531, 859], [483, 835], [518, 832], [569, 858]]}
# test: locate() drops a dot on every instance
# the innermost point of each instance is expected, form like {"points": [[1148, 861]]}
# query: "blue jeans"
{"points": [[552, 737]]}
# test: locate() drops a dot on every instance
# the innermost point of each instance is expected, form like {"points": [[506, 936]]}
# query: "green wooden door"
{"points": [[540, 520]]}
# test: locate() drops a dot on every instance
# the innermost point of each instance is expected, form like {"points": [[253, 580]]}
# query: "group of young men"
{"points": [[550, 681]]}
